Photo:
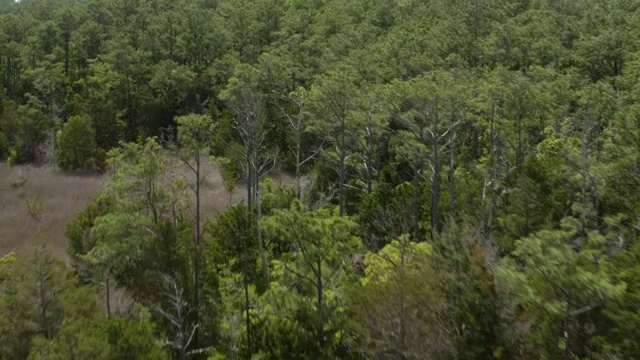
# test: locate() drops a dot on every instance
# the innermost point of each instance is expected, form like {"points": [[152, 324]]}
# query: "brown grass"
{"points": [[54, 198]]}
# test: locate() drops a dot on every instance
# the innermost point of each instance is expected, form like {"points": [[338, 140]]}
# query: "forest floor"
{"points": [[64, 195]]}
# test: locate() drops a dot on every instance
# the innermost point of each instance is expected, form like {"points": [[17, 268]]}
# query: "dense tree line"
{"points": [[466, 178]]}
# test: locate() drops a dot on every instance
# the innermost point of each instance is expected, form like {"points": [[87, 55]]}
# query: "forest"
{"points": [[464, 178]]}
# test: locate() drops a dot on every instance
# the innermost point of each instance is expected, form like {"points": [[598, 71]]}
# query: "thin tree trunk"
{"points": [[369, 155], [519, 154], [196, 261], [249, 185], [43, 302], [108, 291], [416, 220], [402, 346], [341, 174], [298, 150], [245, 250], [488, 240], [566, 328], [583, 171], [435, 192], [435, 177], [452, 172], [246, 309], [320, 305], [263, 259], [66, 55]]}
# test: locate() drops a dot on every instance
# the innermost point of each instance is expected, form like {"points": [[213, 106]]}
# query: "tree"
{"points": [[234, 250], [47, 315], [173, 87], [562, 278], [194, 137], [19, 324], [373, 119], [139, 169], [176, 315], [30, 132], [88, 335], [399, 304], [76, 144], [333, 99], [429, 116], [121, 241], [322, 241], [298, 119], [250, 123]]}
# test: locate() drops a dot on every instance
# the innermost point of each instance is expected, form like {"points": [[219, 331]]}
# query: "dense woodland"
{"points": [[467, 178]]}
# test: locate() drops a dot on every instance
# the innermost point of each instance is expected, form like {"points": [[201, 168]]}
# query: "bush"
{"points": [[77, 144]]}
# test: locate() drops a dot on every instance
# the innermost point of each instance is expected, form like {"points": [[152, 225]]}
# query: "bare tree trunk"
{"points": [[249, 184], [298, 130], [585, 184], [296, 123], [402, 346]]}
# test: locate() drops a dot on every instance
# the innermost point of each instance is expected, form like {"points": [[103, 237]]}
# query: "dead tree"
{"points": [[176, 315]]}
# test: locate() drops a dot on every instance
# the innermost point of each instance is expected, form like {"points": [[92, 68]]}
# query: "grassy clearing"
{"points": [[36, 202]]}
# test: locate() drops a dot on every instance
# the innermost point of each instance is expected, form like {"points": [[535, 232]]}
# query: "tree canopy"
{"points": [[466, 178]]}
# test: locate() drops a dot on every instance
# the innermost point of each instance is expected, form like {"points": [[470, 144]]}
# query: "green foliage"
{"points": [[78, 232], [506, 130], [323, 243], [563, 275], [385, 214], [23, 129], [399, 304], [229, 233], [48, 316], [129, 337], [194, 132], [76, 144], [138, 178]]}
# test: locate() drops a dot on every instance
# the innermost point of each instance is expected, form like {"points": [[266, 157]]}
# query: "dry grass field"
{"points": [[64, 195]]}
